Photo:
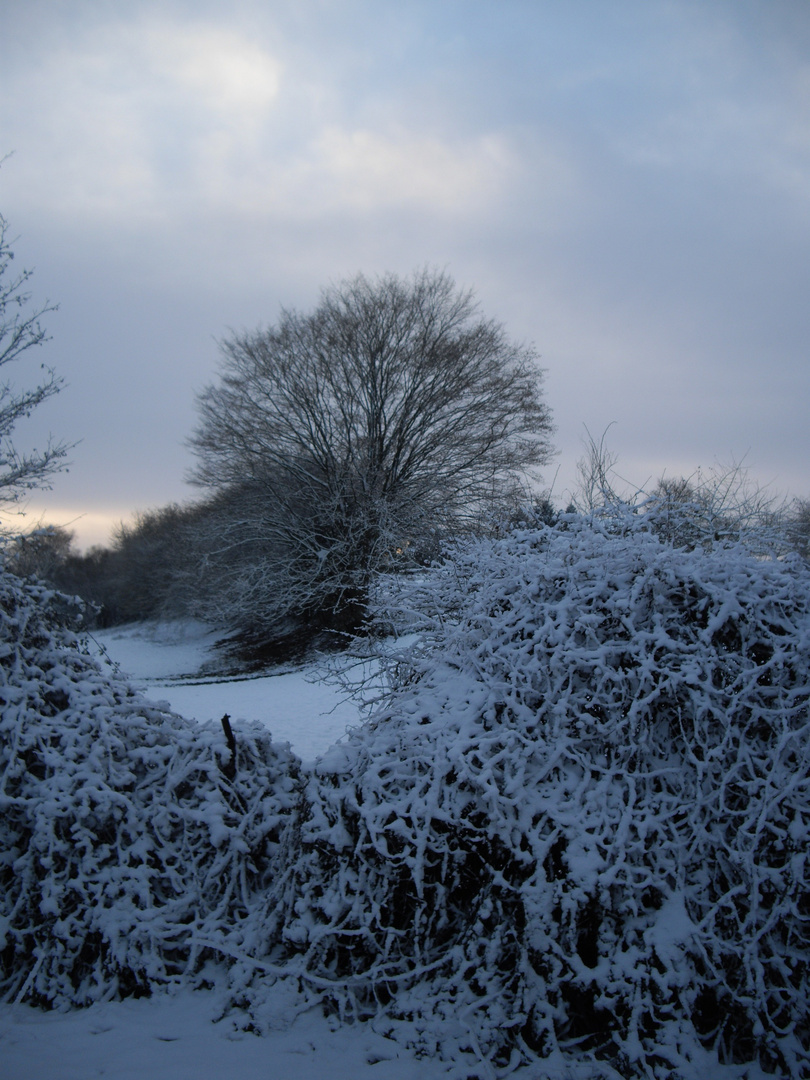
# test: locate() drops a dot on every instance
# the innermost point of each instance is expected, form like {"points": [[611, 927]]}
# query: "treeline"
{"points": [[212, 560], [208, 560], [154, 566], [129, 581]]}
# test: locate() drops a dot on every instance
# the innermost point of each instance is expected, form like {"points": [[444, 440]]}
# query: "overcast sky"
{"points": [[624, 183]]}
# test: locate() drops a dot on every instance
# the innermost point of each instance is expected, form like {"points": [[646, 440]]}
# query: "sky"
{"points": [[624, 183]]}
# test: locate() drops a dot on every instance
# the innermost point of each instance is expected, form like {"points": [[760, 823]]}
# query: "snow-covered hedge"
{"points": [[123, 842], [577, 827], [580, 824]]}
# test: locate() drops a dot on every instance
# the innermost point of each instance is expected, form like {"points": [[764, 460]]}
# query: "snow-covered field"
{"points": [[172, 663], [175, 1038]]}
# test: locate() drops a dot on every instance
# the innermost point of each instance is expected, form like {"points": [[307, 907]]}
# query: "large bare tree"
{"points": [[391, 411]]}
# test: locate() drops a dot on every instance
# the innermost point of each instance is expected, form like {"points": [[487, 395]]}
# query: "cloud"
{"points": [[369, 169], [343, 169], [339, 169], [222, 72], [728, 104], [90, 527], [150, 120], [125, 114], [628, 187]]}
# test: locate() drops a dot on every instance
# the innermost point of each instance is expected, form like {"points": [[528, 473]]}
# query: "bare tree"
{"points": [[597, 477], [721, 505], [40, 552], [21, 330], [391, 410], [797, 523]]}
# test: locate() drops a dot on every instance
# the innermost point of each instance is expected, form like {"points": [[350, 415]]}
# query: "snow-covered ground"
{"points": [[172, 663], [174, 1038]]}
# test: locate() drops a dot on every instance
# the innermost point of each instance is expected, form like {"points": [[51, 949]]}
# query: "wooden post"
{"points": [[230, 769]]}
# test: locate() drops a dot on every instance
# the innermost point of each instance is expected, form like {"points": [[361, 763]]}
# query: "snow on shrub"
{"points": [[123, 842], [579, 826]]}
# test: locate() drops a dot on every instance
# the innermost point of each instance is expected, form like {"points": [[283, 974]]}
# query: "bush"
{"points": [[579, 825], [576, 828], [128, 836]]}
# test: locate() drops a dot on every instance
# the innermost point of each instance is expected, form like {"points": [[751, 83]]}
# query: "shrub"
{"points": [[575, 829], [124, 842], [579, 825]]}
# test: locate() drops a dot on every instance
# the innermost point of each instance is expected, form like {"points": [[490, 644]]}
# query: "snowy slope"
{"points": [[168, 662]]}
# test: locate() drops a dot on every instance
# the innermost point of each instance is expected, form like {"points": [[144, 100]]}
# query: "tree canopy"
{"points": [[392, 410]]}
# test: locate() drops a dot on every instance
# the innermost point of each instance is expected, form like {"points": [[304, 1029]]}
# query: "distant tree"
{"points": [[139, 576], [147, 558], [93, 576], [21, 330], [721, 505], [40, 552], [355, 431]]}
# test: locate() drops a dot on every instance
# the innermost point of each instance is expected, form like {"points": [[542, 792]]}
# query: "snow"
{"points": [[153, 651], [174, 1038], [576, 828], [304, 706]]}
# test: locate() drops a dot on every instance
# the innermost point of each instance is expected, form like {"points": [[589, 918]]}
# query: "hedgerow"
{"points": [[578, 827], [575, 829], [127, 834]]}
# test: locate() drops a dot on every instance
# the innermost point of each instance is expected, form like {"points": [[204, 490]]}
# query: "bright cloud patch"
{"points": [[369, 169], [146, 119], [224, 72], [127, 115]]}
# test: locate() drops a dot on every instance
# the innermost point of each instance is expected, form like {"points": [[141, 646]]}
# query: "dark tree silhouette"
{"points": [[389, 412]]}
